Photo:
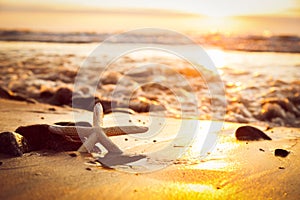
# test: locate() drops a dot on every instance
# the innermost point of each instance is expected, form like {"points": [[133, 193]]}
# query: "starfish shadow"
{"points": [[111, 160]]}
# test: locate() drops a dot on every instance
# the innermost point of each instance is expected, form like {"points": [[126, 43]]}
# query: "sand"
{"points": [[233, 170]]}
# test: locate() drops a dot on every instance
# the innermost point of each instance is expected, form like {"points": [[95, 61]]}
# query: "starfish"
{"points": [[96, 133]]}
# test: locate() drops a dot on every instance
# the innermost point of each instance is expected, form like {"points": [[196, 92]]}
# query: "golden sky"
{"points": [[230, 16]]}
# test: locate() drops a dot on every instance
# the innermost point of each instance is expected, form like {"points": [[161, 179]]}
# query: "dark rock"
{"points": [[13, 144], [109, 106], [145, 106], [281, 168], [7, 94], [86, 124], [46, 94], [271, 110], [284, 103], [1, 163], [295, 99], [281, 153], [250, 133], [88, 103], [39, 137], [63, 96]]}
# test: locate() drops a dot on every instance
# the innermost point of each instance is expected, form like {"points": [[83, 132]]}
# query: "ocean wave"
{"points": [[252, 43]]}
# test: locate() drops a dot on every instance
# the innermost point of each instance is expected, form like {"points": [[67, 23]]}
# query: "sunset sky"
{"points": [[226, 16]]}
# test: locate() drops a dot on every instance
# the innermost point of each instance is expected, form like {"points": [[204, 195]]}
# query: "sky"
{"points": [[206, 16]]}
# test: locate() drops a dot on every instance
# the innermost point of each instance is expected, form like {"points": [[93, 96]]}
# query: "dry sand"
{"points": [[234, 170]]}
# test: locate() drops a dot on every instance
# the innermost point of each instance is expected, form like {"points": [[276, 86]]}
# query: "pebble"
{"points": [[13, 144], [1, 163], [281, 152], [73, 154], [249, 133], [38, 174]]}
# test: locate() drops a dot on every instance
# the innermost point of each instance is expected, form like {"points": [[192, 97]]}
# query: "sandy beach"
{"points": [[149, 100], [38, 88], [234, 169]]}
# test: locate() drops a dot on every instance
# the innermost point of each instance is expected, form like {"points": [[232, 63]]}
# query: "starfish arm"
{"points": [[124, 130], [76, 131], [98, 115], [99, 136], [71, 130]]}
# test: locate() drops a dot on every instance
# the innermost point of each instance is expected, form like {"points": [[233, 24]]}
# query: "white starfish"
{"points": [[96, 133]]}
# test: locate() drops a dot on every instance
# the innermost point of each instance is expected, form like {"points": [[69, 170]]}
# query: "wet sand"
{"points": [[234, 169]]}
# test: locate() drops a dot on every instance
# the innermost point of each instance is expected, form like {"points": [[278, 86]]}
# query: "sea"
{"points": [[240, 78]]}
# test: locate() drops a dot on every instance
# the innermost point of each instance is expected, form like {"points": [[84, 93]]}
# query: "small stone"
{"points": [[281, 153], [92, 162], [89, 169], [38, 174], [268, 128], [73, 154], [126, 139], [42, 118], [51, 109], [154, 141], [250, 133], [281, 168], [1, 163], [13, 143], [262, 150]]}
